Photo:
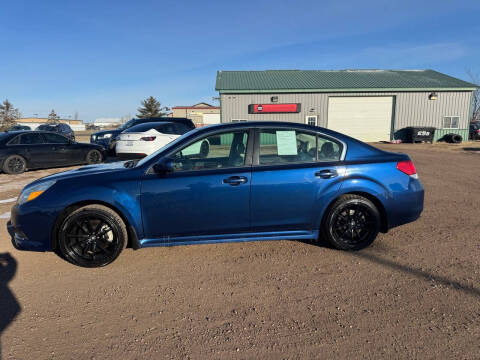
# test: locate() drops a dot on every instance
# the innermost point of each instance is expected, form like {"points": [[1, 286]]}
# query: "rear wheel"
{"points": [[92, 236], [94, 157], [14, 164], [352, 223]]}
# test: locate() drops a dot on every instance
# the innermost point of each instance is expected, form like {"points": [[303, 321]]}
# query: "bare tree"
{"points": [[474, 78], [8, 115], [53, 118]]}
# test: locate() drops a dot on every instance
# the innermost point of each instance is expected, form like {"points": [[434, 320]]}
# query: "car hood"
{"points": [[86, 170]]}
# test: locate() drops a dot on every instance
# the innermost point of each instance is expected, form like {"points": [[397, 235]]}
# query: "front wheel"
{"points": [[352, 223], [92, 236], [94, 157]]}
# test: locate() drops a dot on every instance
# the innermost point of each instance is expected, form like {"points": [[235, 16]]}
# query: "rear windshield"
{"points": [[142, 127], [161, 127]]}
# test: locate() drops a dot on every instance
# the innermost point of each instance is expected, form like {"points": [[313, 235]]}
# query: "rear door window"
{"points": [[31, 139], [55, 139], [283, 146], [329, 149]]}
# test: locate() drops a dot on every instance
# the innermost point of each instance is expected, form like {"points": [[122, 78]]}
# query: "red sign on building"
{"points": [[273, 108]]}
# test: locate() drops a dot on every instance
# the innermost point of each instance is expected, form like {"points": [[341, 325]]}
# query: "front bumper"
{"points": [[29, 230], [107, 144]]}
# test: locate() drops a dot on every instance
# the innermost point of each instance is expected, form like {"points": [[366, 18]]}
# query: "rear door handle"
{"points": [[235, 180], [326, 174]]}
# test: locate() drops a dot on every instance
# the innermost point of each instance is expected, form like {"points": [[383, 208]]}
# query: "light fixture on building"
{"points": [[274, 99], [433, 96], [312, 110]]}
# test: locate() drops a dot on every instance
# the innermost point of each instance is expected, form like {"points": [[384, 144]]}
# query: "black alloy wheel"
{"points": [[92, 236], [14, 164], [94, 157], [352, 223]]}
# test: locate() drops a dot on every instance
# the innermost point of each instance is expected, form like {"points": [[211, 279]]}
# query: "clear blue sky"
{"points": [[101, 58]]}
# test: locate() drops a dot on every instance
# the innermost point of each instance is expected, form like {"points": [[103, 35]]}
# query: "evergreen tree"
{"points": [[53, 118], [8, 115], [151, 107]]}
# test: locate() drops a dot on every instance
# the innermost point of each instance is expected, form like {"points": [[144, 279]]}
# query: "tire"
{"points": [[352, 223], [94, 157], [453, 138], [92, 236], [14, 164]]}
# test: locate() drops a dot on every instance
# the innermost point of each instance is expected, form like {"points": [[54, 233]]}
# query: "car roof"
{"points": [[269, 124]]}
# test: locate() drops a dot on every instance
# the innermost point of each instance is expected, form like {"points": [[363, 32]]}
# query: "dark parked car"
{"points": [[19, 128], [108, 138], [258, 181], [474, 130], [62, 129], [24, 150], [92, 127]]}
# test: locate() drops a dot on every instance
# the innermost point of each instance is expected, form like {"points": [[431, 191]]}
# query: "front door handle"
{"points": [[235, 180], [326, 174]]}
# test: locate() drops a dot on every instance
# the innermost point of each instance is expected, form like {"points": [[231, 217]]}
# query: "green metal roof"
{"points": [[337, 80]]}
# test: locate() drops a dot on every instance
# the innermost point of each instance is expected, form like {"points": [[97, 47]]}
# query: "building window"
{"points": [[237, 120], [311, 120], [450, 122]]}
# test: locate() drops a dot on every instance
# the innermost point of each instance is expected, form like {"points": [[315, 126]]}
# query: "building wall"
{"points": [[194, 113], [410, 108]]}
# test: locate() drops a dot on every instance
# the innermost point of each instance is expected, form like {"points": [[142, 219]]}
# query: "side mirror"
{"points": [[163, 167]]}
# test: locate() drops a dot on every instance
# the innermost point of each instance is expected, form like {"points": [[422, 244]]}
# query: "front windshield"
{"points": [[126, 125]]}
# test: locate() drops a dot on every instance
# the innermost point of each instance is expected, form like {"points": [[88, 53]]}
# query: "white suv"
{"points": [[143, 139]]}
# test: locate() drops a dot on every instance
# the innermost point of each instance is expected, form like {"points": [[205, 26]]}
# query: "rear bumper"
{"points": [[407, 206], [107, 144], [130, 156]]}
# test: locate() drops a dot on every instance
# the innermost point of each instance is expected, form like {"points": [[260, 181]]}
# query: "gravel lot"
{"points": [[414, 294]]}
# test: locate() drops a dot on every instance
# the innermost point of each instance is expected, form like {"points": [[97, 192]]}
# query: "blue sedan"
{"points": [[258, 181]]}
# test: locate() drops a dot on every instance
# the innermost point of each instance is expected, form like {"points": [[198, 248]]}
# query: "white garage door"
{"points": [[366, 118]]}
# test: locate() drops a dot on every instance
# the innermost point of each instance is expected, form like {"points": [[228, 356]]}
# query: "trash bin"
{"points": [[420, 134]]}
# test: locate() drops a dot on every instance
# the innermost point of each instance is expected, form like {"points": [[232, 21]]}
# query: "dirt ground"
{"points": [[414, 294]]}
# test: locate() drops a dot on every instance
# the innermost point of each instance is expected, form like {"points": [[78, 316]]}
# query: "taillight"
{"points": [[407, 167], [478, 131], [148, 138]]}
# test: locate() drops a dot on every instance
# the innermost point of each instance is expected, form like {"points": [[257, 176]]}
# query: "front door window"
{"points": [[226, 150]]}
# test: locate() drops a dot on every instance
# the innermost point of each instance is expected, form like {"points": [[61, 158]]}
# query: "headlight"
{"points": [[33, 192], [107, 136]]}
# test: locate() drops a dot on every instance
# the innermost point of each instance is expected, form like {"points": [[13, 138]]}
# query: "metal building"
{"points": [[370, 105]]}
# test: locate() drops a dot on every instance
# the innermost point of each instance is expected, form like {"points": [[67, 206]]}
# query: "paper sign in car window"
{"points": [[286, 142]]}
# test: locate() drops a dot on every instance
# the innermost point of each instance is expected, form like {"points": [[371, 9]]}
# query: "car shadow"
{"points": [[9, 306], [471, 149], [421, 274]]}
